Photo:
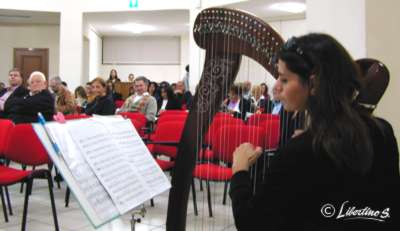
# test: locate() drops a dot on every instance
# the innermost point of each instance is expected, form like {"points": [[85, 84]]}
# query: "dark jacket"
{"points": [[305, 190], [185, 99], [101, 106], [172, 104], [20, 91], [25, 109], [244, 107]]}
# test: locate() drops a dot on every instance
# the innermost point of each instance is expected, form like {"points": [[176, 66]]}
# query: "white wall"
{"points": [[343, 19], [95, 55], [157, 73], [26, 36], [383, 44]]}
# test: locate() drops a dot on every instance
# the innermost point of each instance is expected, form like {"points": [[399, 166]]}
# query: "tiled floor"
{"points": [[73, 218]]}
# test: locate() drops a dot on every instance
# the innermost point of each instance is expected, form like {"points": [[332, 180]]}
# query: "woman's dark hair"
{"points": [[116, 74], [236, 89], [170, 93], [155, 87], [338, 126]]}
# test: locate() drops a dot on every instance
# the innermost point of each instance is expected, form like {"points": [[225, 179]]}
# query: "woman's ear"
{"points": [[312, 85]]}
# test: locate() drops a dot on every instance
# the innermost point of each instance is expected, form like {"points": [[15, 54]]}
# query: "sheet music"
{"points": [[137, 154], [123, 182], [89, 184]]}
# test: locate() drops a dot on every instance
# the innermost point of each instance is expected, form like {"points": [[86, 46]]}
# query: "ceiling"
{"points": [[29, 17], [167, 22]]}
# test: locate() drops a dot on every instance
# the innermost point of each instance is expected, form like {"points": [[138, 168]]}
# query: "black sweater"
{"points": [[101, 106], [301, 185], [25, 109]]}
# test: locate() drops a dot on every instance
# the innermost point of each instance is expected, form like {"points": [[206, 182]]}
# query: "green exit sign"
{"points": [[133, 3]]}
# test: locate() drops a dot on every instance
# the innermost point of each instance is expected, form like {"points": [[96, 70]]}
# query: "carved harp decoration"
{"points": [[226, 35]]}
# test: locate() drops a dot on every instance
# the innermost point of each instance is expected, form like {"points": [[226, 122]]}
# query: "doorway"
{"points": [[31, 59]]}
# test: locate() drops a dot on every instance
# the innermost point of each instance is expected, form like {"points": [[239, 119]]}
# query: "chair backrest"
{"points": [[272, 133], [217, 123], [174, 112], [171, 118], [5, 129], [257, 119], [168, 131], [76, 116], [229, 137], [118, 103], [25, 147], [134, 115]]}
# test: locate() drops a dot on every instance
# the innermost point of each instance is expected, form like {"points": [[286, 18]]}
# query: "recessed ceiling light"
{"points": [[291, 7], [134, 28]]}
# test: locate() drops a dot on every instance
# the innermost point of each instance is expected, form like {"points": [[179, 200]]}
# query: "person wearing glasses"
{"points": [[342, 172]]}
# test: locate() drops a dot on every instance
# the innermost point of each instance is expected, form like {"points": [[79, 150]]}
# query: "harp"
{"points": [[226, 35]]}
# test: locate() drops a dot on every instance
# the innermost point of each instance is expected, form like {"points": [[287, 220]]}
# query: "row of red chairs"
{"points": [[19, 143]]}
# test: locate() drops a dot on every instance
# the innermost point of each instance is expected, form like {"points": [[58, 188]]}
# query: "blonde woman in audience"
{"points": [[257, 99]]}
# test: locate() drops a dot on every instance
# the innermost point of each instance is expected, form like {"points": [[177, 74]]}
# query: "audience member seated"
{"points": [[2, 86], [113, 76], [168, 100], [80, 97], [154, 90], [65, 102], [115, 95], [39, 99], [103, 104], [15, 90], [141, 101], [89, 92], [184, 97], [257, 100], [235, 104], [246, 90]]}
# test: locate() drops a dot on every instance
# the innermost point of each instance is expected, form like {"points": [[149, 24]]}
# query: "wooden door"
{"points": [[31, 59]]}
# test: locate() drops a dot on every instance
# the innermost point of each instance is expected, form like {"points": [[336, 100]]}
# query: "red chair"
{"points": [[171, 118], [219, 121], [5, 129], [138, 120], [76, 116], [257, 119], [165, 141], [173, 112], [232, 136], [119, 103], [272, 134], [24, 147]]}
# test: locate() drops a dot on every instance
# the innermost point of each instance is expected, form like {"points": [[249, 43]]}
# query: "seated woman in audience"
{"points": [[154, 90], [81, 99], [25, 109], [103, 104], [345, 160], [235, 104], [257, 99], [168, 100], [89, 92]]}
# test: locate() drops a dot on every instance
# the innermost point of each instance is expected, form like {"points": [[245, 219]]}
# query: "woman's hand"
{"points": [[244, 156]]}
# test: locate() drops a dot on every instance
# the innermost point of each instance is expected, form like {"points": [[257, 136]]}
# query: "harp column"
{"points": [[343, 19]]}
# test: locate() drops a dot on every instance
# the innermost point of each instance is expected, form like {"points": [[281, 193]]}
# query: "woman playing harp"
{"points": [[342, 172]]}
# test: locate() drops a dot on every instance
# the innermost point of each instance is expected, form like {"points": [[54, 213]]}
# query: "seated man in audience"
{"points": [[15, 90], [236, 104], [65, 102], [183, 96], [141, 101], [39, 99]]}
